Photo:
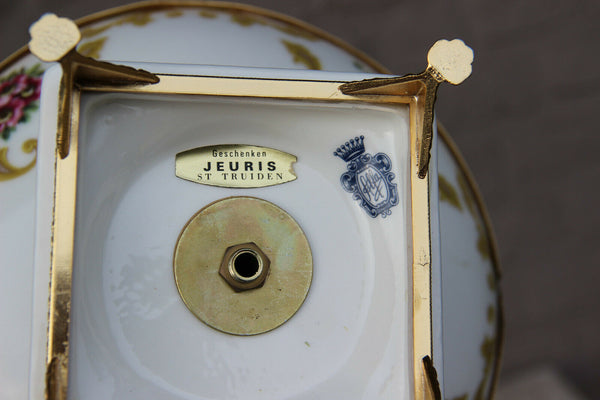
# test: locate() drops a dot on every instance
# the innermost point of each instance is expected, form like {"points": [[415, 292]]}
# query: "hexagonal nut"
{"points": [[245, 266]]}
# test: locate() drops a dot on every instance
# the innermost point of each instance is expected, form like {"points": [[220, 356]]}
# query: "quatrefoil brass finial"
{"points": [[451, 59], [52, 38]]}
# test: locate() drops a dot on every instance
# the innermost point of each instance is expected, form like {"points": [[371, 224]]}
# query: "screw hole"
{"points": [[246, 265]]}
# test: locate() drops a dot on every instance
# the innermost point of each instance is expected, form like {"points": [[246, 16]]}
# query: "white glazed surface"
{"points": [[470, 310], [192, 39], [17, 212], [132, 208]]}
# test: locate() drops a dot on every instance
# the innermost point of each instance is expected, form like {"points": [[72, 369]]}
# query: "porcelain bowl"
{"points": [[221, 37]]}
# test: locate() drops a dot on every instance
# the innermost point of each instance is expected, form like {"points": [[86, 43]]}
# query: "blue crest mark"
{"points": [[368, 178]]}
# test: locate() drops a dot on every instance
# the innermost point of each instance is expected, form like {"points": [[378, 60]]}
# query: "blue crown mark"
{"points": [[368, 177], [351, 149]]}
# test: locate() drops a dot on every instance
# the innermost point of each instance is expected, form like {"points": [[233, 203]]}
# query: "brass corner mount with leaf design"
{"points": [[56, 39], [449, 61]]}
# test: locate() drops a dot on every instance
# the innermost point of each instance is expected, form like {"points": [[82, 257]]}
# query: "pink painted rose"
{"points": [[23, 86], [11, 113], [6, 92], [18, 93], [27, 87]]}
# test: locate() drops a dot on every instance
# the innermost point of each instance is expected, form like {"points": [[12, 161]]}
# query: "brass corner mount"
{"points": [[55, 39], [448, 61]]}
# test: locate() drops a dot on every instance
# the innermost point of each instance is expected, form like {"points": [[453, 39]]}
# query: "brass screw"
{"points": [[244, 267]]}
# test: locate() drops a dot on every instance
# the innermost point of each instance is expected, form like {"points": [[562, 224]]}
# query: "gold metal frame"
{"points": [[411, 95]]}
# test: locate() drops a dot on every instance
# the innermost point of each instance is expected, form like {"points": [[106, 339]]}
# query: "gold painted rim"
{"points": [[160, 5]]}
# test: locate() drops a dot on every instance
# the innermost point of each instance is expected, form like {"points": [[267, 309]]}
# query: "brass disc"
{"points": [[209, 245]]}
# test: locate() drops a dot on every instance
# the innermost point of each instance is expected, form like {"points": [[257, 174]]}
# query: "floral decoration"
{"points": [[19, 92]]}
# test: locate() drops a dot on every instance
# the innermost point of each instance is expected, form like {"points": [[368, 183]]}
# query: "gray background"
{"points": [[525, 121]]}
